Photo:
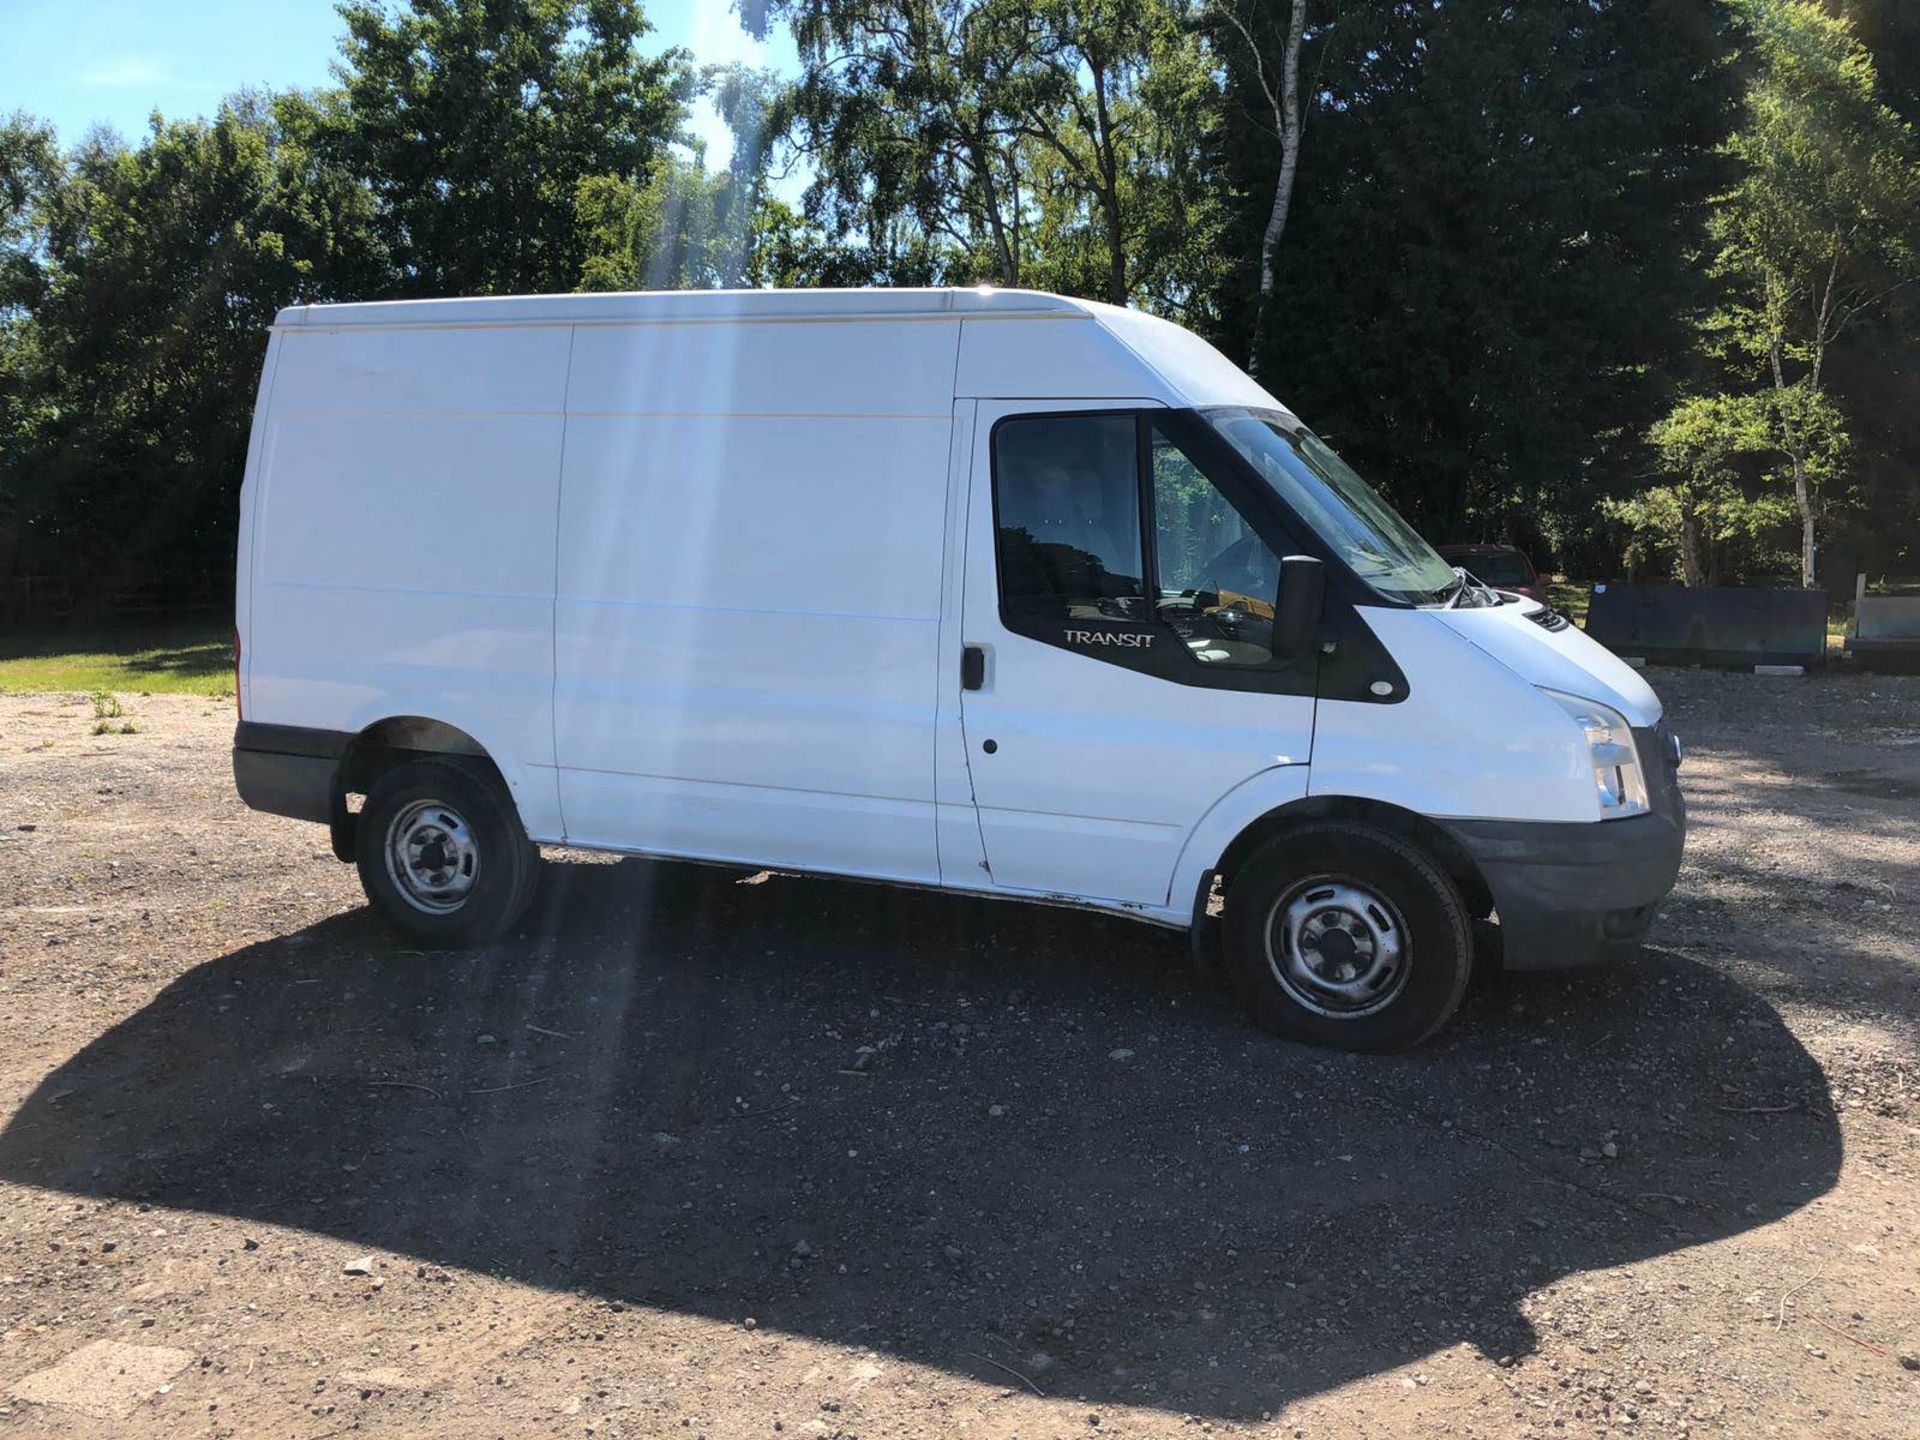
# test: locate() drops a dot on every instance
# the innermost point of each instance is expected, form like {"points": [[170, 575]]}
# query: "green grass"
{"points": [[187, 658]]}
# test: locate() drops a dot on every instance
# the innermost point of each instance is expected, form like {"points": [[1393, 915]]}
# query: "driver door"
{"points": [[1121, 605]]}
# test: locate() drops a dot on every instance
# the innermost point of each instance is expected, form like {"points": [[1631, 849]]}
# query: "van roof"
{"points": [[1113, 352], [684, 306]]}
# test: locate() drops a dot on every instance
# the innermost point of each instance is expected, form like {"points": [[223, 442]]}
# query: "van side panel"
{"points": [[1052, 357], [403, 551], [752, 520]]}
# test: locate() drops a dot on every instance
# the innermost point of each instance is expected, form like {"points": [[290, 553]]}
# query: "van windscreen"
{"points": [[1344, 511]]}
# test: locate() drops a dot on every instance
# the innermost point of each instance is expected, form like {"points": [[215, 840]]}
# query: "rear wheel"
{"points": [[442, 854], [1343, 935]]}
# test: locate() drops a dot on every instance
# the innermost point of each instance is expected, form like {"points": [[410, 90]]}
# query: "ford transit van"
{"points": [[983, 590]]}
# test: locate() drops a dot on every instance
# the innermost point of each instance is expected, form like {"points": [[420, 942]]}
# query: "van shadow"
{"points": [[943, 1128]]}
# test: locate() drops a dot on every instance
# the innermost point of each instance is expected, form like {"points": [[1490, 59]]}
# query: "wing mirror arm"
{"points": [[1296, 611]]}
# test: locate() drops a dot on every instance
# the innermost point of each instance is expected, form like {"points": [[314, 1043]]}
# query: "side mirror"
{"points": [[1296, 612]]}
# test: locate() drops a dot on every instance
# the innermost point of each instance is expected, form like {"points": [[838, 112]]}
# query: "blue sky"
{"points": [[83, 62]]}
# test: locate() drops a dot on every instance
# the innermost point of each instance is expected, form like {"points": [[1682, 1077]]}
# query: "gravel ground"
{"points": [[701, 1154]]}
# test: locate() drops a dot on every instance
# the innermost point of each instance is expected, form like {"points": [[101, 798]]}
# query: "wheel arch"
{"points": [[367, 754], [386, 744], [1433, 839]]}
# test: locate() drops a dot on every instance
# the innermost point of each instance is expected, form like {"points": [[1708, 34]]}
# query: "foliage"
{"points": [[471, 146], [681, 227], [163, 267], [900, 115], [1890, 30], [1707, 525], [29, 161], [1250, 35], [1621, 280], [1052, 143], [30, 168], [1487, 268], [476, 122], [1817, 232]]}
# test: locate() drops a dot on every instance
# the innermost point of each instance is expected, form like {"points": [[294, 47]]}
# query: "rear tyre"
{"points": [[1342, 935], [442, 854]]}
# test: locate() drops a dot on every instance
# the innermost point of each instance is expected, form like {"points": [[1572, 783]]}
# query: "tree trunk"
{"points": [[1116, 254], [1109, 190], [1803, 497], [1287, 110], [1796, 446], [1692, 570], [990, 196]]}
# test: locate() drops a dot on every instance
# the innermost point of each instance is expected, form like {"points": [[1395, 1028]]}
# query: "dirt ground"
{"points": [[705, 1155]]}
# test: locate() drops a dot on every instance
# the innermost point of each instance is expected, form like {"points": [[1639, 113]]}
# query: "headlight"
{"points": [[1616, 762]]}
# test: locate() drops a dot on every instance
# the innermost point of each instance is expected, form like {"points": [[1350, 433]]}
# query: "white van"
{"points": [[983, 590]]}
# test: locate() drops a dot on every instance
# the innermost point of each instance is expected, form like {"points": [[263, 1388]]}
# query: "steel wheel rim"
{"points": [[1337, 947], [432, 857]]}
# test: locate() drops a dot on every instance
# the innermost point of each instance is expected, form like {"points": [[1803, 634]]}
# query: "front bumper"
{"points": [[1570, 895]]}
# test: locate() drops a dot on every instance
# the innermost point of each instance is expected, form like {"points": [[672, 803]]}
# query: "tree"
{"points": [[1871, 377], [474, 124], [1707, 510], [30, 172], [1081, 91], [900, 112], [1817, 233], [1048, 141], [1279, 86], [473, 145], [164, 264], [1890, 30], [1488, 264], [682, 226], [29, 167]]}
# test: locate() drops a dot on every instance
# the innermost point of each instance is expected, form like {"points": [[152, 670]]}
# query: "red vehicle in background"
{"points": [[1501, 566]]}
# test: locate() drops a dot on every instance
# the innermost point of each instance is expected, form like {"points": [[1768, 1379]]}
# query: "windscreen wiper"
{"points": [[1465, 581]]}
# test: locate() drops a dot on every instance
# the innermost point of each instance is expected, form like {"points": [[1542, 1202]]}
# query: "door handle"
{"points": [[973, 667]]}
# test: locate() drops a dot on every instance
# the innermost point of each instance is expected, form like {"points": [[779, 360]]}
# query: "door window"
{"points": [[1077, 499], [1217, 578], [1067, 496]]}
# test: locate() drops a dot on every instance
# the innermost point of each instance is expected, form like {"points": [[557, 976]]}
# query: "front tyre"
{"points": [[1342, 935], [442, 854]]}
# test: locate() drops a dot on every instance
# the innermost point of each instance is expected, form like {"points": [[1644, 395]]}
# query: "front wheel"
{"points": [[442, 854], [1343, 935]]}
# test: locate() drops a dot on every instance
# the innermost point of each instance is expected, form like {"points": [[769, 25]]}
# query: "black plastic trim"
{"points": [[288, 769], [1349, 658], [297, 786], [1573, 894], [291, 740]]}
